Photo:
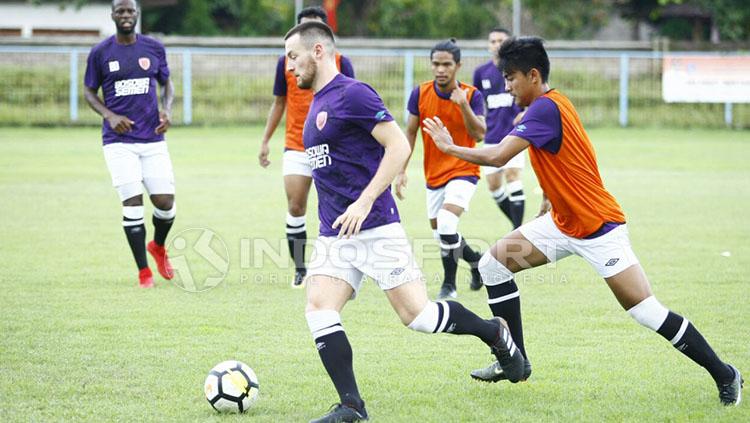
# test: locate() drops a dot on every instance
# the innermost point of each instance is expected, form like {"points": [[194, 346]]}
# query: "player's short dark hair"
{"points": [[450, 46], [134, 2], [524, 54], [313, 11], [500, 29], [312, 30]]}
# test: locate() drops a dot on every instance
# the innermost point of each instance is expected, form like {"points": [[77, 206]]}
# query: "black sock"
{"points": [[462, 321], [161, 229], [296, 243], [509, 308], [449, 254], [472, 257], [336, 354], [136, 235], [516, 206], [503, 203], [692, 344]]}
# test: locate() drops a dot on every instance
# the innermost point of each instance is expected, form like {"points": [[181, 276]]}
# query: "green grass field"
{"points": [[81, 342]]}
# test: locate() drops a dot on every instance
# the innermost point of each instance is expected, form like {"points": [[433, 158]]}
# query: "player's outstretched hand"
{"points": [[400, 184], [438, 132], [263, 155], [165, 121], [459, 96], [120, 124], [353, 218]]}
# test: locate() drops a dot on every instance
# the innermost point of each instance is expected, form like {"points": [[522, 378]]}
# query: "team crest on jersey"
{"points": [[114, 66], [144, 62], [486, 84], [321, 119]]}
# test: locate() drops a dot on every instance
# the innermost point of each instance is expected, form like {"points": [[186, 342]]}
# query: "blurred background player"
{"points": [[501, 113], [127, 66], [296, 168], [357, 150], [578, 216], [451, 182]]}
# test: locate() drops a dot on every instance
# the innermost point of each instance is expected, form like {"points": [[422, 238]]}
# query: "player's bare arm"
{"points": [[119, 123], [545, 206], [397, 151], [475, 125], [165, 115], [497, 155], [274, 117], [412, 126]]}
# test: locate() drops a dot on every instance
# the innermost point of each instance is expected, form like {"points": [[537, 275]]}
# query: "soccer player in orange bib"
{"points": [[578, 216], [451, 182], [296, 169]]}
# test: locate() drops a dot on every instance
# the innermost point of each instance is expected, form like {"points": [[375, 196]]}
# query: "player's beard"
{"points": [[305, 79]]}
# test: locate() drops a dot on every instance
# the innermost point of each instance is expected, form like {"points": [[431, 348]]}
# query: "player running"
{"points": [[296, 168], [127, 66], [501, 112], [451, 182], [579, 216], [356, 149]]}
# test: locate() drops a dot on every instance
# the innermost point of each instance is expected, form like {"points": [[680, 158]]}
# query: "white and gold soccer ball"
{"points": [[231, 387]]}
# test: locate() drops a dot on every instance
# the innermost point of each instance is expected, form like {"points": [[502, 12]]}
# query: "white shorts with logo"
{"points": [[132, 165], [296, 163], [456, 191], [382, 253], [608, 254], [516, 162]]}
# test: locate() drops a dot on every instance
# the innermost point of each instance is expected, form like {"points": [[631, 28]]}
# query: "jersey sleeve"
{"points": [[163, 73], [364, 107], [413, 105], [541, 125], [477, 103], [346, 67], [279, 84], [92, 78], [477, 79]]}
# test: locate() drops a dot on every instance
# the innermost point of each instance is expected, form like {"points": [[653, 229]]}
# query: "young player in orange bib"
{"points": [[578, 216]]}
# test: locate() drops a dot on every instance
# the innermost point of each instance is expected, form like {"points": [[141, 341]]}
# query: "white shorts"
{"points": [[133, 164], [456, 191], [516, 162], [296, 163], [382, 253], [608, 254]]}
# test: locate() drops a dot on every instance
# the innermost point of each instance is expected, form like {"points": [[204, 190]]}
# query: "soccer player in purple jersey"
{"points": [[356, 150], [295, 167], [501, 113], [127, 66]]}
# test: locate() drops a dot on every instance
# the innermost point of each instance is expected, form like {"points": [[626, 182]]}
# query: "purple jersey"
{"points": [[501, 109], [343, 153], [541, 125], [128, 75]]}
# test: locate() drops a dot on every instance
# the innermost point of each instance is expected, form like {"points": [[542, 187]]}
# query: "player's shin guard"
{"points": [[501, 199], [452, 317], [162, 221], [503, 296], [683, 336], [516, 202], [336, 354], [450, 241], [296, 237], [135, 231]]}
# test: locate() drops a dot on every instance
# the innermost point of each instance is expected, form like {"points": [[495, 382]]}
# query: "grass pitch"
{"points": [[81, 342]]}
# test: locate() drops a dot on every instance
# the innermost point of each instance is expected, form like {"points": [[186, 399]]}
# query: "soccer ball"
{"points": [[231, 387]]}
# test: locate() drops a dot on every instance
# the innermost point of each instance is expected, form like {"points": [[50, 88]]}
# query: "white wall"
{"points": [[27, 17]]}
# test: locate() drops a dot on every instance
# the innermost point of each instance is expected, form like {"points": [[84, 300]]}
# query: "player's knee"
{"points": [[427, 320], [134, 201], [297, 209], [323, 322], [493, 272], [163, 201], [447, 222], [650, 313]]}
